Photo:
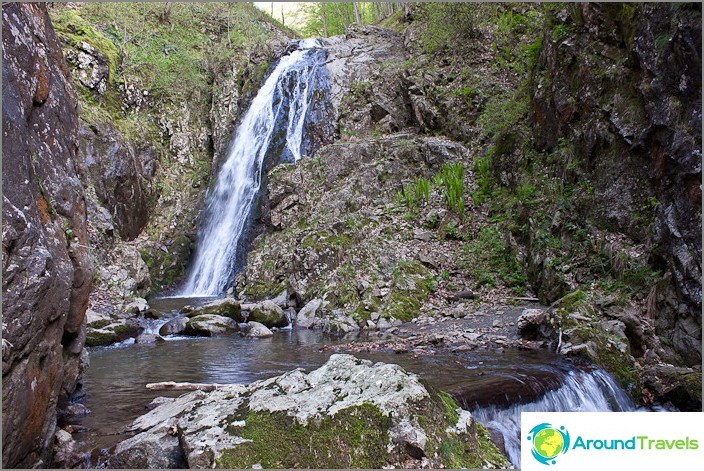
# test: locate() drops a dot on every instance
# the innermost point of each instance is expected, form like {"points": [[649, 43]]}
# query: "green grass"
{"points": [[489, 261], [451, 177]]}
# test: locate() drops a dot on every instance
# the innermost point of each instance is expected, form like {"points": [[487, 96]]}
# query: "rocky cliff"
{"points": [[47, 265], [157, 113], [617, 93], [576, 132]]}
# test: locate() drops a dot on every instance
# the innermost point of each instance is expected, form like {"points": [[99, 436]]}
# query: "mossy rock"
{"points": [[352, 438], [109, 334], [269, 314], [227, 307], [73, 29], [349, 413], [207, 325]]}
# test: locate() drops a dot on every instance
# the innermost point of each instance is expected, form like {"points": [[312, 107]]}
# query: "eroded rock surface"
{"points": [[349, 412], [47, 267]]}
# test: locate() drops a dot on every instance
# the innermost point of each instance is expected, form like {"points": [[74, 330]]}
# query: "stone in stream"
{"points": [[256, 330], [269, 314], [530, 320], [306, 317], [174, 326], [136, 306], [349, 413], [207, 325], [226, 307], [149, 338]]}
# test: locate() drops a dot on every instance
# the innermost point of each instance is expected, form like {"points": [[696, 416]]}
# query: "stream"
{"points": [[116, 394]]}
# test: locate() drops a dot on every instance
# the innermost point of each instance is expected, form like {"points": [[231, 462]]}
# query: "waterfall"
{"points": [[582, 391], [273, 127]]}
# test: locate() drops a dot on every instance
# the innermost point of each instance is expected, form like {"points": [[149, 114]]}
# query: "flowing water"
{"points": [[275, 129], [272, 128], [116, 379], [581, 391]]}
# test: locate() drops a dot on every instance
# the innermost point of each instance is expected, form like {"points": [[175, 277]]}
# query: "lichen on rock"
{"points": [[347, 413]]}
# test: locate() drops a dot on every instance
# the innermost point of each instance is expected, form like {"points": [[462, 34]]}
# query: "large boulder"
{"points": [[47, 266], [226, 307], [207, 325], [349, 413], [268, 313], [256, 330], [306, 317]]}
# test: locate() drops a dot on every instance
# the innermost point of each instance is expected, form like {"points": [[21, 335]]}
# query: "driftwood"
{"points": [[519, 298], [184, 386]]}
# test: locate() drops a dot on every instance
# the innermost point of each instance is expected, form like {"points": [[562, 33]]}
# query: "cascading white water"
{"points": [[593, 391], [280, 106]]}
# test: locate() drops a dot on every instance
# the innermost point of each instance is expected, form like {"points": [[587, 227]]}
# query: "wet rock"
{"points": [[529, 321], [174, 326], [256, 330], [207, 325], [227, 307], [65, 455], [137, 306], [400, 419], [149, 338], [505, 390], [269, 314], [679, 386], [47, 265]]}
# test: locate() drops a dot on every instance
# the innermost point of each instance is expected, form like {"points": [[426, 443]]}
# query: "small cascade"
{"points": [[582, 391], [274, 129]]}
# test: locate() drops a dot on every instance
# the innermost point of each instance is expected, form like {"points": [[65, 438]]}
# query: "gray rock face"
{"points": [[362, 93], [47, 268], [647, 186], [212, 427], [306, 317], [120, 174], [91, 66]]}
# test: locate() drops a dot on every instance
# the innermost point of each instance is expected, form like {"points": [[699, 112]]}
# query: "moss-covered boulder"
{"points": [[106, 329], [207, 325], [226, 307], [269, 314], [349, 413]]}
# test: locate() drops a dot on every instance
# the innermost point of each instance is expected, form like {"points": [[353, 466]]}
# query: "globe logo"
{"points": [[548, 442]]}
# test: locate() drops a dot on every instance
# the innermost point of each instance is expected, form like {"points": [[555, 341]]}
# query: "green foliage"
{"points": [[415, 193], [157, 44], [503, 112], [322, 19], [488, 261], [449, 24], [451, 177]]}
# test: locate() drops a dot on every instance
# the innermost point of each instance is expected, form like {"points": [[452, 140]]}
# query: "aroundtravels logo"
{"points": [[548, 442]]}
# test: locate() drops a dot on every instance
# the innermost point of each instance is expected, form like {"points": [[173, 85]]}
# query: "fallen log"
{"points": [[172, 385]]}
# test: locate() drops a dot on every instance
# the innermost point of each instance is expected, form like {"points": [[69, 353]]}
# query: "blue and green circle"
{"points": [[548, 442]]}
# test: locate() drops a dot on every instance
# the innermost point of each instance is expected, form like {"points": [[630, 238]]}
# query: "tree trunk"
{"points": [[356, 13]]}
